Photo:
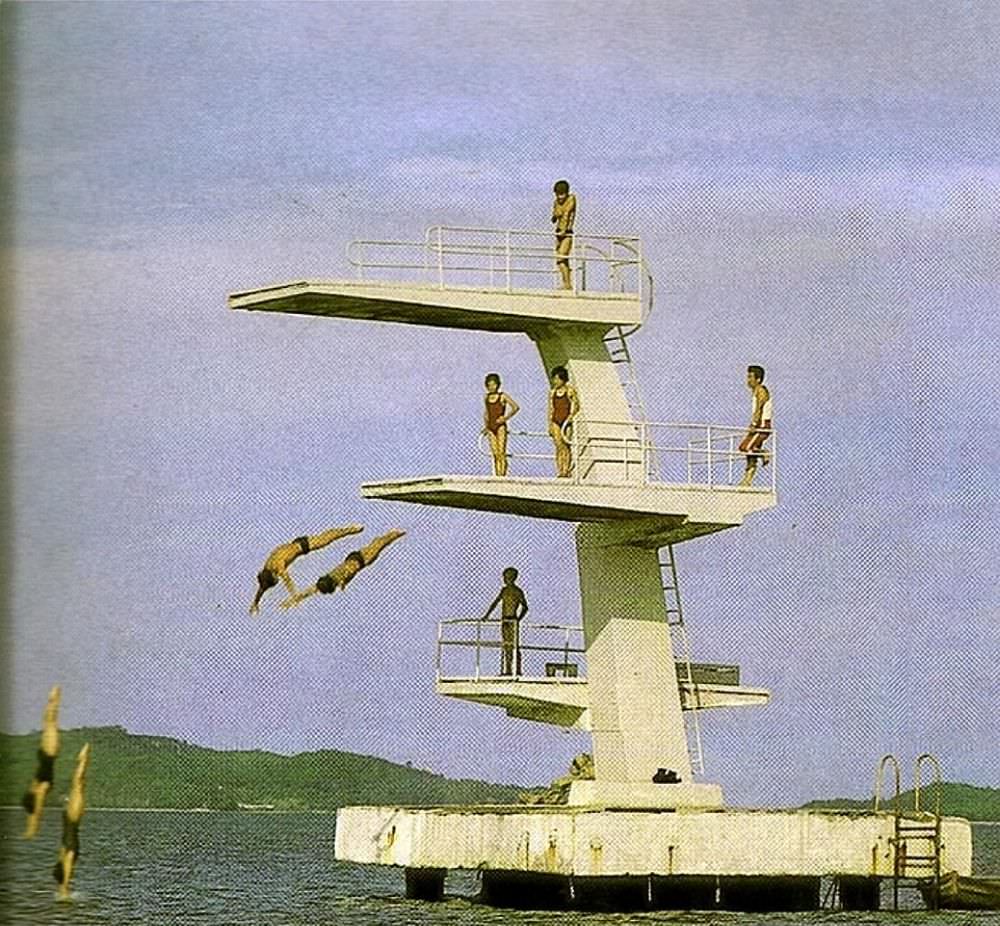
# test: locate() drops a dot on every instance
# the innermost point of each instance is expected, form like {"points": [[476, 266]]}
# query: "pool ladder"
{"points": [[918, 828]]}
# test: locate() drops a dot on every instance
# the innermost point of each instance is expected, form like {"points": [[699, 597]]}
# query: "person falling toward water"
{"points": [[761, 414], [277, 563], [69, 848], [341, 575], [48, 748], [563, 407], [563, 215], [500, 408], [513, 607]]}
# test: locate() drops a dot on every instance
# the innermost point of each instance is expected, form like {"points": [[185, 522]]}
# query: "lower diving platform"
{"points": [[550, 684]]}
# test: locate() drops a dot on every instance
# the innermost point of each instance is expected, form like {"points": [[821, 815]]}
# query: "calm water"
{"points": [[278, 870]]}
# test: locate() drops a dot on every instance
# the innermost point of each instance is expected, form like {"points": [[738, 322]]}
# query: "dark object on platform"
{"points": [[567, 669], [958, 892], [709, 673], [666, 776]]}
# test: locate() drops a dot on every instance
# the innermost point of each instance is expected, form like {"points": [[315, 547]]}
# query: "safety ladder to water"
{"points": [[689, 690], [918, 829]]}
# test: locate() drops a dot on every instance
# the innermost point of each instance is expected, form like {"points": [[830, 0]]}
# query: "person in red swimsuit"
{"points": [[563, 407], [500, 408]]}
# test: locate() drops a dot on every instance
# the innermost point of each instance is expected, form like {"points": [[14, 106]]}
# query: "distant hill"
{"points": [[957, 800], [153, 771]]}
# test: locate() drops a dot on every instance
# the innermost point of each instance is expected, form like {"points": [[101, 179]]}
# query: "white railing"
{"points": [[644, 453], [471, 648], [510, 259]]}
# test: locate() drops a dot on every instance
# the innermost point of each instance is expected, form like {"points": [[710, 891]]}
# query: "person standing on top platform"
{"points": [[513, 607], [280, 558], [563, 215], [761, 415], [500, 408], [48, 748], [563, 407], [353, 563]]}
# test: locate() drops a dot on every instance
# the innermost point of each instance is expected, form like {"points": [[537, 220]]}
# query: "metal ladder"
{"points": [[616, 342], [689, 691], [920, 827]]}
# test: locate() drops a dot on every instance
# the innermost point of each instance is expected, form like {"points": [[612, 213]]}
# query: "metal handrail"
{"points": [[641, 456], [931, 760], [880, 780], [563, 649], [508, 253]]}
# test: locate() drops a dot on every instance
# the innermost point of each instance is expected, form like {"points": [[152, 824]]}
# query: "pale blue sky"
{"points": [[818, 190]]}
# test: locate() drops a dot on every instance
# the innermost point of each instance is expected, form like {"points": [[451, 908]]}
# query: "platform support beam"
{"points": [[635, 706]]}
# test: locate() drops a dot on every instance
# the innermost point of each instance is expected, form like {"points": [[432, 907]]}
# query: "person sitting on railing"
{"points": [[563, 215], [280, 558], [513, 607], [564, 404], [500, 408], [339, 577], [761, 415]]}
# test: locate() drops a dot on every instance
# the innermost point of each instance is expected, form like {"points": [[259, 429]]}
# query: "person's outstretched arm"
{"points": [[298, 597], [489, 610]]}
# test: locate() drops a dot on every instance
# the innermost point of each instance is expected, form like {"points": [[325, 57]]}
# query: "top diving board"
{"points": [[481, 308]]}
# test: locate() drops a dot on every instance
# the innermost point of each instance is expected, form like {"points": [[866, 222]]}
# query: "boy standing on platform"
{"points": [[563, 215], [513, 606], [761, 414]]}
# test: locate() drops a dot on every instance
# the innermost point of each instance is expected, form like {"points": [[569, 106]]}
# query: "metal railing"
{"points": [[476, 646], [644, 453], [509, 259]]}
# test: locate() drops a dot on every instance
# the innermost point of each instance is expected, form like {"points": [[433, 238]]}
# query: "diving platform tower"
{"points": [[637, 489], [637, 486]]}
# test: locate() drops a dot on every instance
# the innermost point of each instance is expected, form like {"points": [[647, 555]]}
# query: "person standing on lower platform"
{"points": [[500, 408], [761, 414], [48, 748], [69, 848], [513, 607], [564, 215], [563, 407]]}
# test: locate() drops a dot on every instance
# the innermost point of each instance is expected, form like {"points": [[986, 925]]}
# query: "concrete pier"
{"points": [[627, 859]]}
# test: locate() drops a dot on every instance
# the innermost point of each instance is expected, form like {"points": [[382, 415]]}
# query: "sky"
{"points": [[817, 188]]}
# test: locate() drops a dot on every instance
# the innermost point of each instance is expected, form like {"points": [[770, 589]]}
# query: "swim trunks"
{"points": [[46, 767], [357, 556], [303, 543]]}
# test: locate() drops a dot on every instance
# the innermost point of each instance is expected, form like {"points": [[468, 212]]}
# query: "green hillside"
{"points": [[957, 800], [153, 771]]}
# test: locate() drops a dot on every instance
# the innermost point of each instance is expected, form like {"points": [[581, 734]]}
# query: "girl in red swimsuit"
{"points": [[500, 408], [563, 407]]}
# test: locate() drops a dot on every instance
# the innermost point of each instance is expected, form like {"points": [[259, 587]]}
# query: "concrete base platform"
{"points": [[731, 859]]}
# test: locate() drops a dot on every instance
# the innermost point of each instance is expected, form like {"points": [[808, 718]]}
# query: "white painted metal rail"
{"points": [[646, 453], [510, 259], [475, 647]]}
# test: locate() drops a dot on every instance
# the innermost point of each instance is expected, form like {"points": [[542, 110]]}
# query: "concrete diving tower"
{"points": [[636, 485], [643, 834]]}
